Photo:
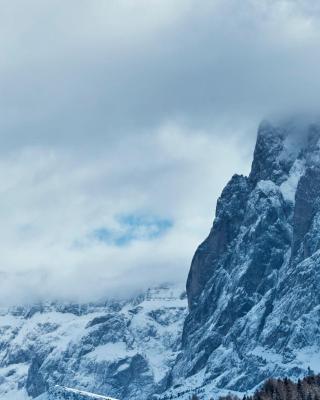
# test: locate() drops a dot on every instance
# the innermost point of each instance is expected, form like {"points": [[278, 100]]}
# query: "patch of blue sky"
{"points": [[133, 227]]}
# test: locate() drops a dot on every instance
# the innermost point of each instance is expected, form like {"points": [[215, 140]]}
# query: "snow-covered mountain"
{"points": [[120, 349], [254, 283], [253, 292]]}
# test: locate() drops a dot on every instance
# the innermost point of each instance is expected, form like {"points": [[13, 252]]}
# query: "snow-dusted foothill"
{"points": [[123, 349], [64, 393]]}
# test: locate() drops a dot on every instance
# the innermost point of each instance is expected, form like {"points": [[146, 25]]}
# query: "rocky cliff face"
{"points": [[123, 349], [254, 283]]}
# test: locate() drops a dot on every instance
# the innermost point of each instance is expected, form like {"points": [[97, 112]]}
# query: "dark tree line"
{"points": [[307, 388]]}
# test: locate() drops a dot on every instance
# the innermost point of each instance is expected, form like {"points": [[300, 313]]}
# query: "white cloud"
{"points": [[100, 68], [133, 107], [52, 199]]}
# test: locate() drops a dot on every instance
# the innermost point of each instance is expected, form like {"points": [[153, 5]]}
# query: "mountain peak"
{"points": [[253, 285]]}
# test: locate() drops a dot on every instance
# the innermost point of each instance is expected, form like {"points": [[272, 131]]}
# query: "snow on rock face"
{"points": [[253, 286], [120, 349], [289, 187]]}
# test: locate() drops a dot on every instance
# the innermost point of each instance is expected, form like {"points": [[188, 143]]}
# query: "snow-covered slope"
{"points": [[120, 349], [254, 283], [64, 393]]}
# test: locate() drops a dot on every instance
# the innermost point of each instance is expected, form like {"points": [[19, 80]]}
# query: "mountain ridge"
{"points": [[119, 349]]}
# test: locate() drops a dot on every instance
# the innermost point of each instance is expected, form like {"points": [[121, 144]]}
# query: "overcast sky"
{"points": [[120, 123]]}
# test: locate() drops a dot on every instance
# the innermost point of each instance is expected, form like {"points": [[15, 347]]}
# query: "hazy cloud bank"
{"points": [[133, 109], [81, 229]]}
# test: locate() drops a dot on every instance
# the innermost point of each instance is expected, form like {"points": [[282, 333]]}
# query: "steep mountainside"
{"points": [[254, 283], [120, 349]]}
